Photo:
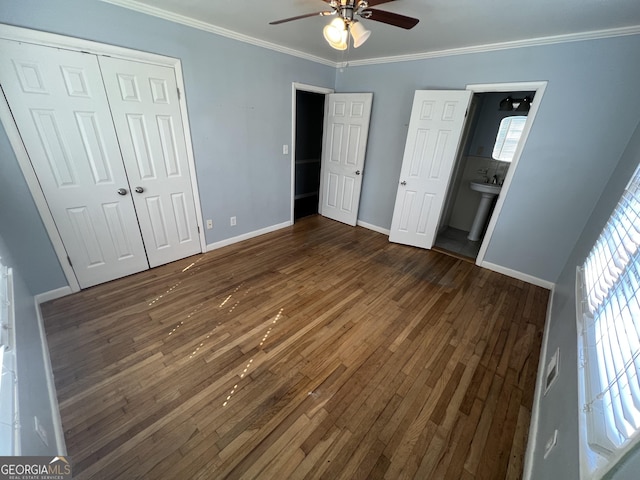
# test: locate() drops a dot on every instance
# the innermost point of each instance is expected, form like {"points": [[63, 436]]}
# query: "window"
{"points": [[9, 431], [508, 137], [609, 328]]}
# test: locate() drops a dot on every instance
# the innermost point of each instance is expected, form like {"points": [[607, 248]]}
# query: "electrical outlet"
{"points": [[40, 430], [552, 442], [232, 221], [285, 149], [209, 224]]}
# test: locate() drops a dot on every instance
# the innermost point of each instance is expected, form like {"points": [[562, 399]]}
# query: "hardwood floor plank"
{"points": [[316, 351], [313, 456]]}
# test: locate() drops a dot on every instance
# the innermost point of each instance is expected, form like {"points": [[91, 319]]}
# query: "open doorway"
{"points": [[308, 121], [494, 135]]}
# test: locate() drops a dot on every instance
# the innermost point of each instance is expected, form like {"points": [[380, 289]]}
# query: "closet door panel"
{"points": [[58, 102], [146, 113]]}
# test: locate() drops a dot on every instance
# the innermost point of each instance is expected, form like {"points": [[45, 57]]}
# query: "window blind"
{"points": [[611, 327]]}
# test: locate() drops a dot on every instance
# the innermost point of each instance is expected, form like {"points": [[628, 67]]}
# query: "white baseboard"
{"points": [[375, 228], [518, 275], [58, 432], [247, 236], [53, 294], [537, 398]]}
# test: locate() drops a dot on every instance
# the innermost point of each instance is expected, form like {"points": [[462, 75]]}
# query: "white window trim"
{"points": [[593, 464], [9, 413], [597, 460]]}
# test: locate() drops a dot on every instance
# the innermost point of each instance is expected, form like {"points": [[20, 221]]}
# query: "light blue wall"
{"points": [[558, 407], [239, 102], [585, 120], [21, 227]]}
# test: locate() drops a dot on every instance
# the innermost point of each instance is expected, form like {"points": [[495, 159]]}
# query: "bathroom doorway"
{"points": [[490, 146]]}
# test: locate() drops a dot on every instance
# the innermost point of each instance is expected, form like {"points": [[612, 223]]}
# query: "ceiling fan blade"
{"points": [[373, 3], [306, 15], [391, 18]]}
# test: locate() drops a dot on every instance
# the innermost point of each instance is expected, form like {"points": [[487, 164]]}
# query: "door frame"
{"points": [[37, 37], [537, 87], [295, 87]]}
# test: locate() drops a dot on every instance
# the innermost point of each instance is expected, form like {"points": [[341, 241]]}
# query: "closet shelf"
{"points": [[305, 195]]}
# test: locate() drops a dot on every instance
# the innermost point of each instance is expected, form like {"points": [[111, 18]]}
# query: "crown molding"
{"points": [[207, 27], [490, 47]]}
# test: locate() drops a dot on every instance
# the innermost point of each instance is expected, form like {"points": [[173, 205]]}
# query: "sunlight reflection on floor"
{"points": [[246, 369]]}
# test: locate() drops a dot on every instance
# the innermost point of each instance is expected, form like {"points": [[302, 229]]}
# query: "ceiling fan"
{"points": [[345, 11]]}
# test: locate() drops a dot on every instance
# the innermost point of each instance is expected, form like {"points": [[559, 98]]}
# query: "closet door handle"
{"points": [[139, 189], [403, 183], [357, 172], [122, 191]]}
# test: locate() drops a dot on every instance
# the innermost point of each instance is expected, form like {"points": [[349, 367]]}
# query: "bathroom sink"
{"points": [[485, 187], [489, 192]]}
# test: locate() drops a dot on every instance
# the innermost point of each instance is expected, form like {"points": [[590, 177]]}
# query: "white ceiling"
{"points": [[444, 24]]}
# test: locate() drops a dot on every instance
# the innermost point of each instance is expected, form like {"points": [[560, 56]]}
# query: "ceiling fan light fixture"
{"points": [[336, 34], [359, 33]]}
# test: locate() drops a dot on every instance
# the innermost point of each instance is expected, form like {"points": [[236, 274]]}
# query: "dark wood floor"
{"points": [[318, 351]]}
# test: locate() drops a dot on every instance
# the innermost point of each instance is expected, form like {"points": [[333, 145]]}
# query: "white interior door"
{"points": [[435, 127], [58, 102], [146, 113], [344, 146]]}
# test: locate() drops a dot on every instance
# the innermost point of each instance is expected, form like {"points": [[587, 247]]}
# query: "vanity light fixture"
{"points": [[518, 104]]}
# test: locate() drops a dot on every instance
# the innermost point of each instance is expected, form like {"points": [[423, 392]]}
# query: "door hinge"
{"points": [[198, 228], [69, 260], [178, 93]]}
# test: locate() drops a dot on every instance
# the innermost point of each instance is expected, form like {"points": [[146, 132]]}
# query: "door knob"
{"points": [[122, 191], [139, 189], [357, 172], [403, 183]]}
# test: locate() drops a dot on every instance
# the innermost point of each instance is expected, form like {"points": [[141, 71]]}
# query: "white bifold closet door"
{"points": [[147, 118], [63, 113]]}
